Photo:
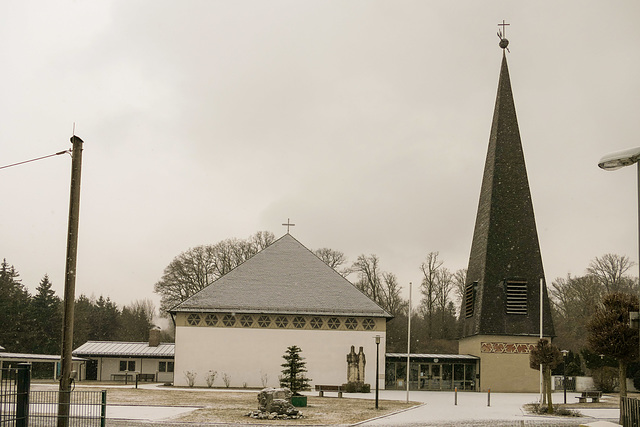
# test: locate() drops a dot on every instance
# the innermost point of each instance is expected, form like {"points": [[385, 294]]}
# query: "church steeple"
{"points": [[505, 264]]}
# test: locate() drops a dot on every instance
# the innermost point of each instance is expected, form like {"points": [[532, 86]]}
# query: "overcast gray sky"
{"points": [[365, 122]]}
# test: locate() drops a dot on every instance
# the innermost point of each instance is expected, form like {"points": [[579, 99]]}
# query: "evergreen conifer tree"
{"points": [[15, 333], [294, 369], [46, 311]]}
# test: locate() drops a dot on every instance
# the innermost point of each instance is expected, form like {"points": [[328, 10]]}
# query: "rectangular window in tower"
{"points": [[470, 298], [516, 291]]}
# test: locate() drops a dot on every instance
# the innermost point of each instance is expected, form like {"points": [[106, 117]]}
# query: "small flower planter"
{"points": [[299, 401]]}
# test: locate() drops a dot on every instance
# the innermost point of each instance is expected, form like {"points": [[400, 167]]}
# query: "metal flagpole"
{"points": [[541, 335], [408, 341]]}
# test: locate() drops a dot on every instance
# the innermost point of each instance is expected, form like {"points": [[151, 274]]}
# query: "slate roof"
{"points": [[505, 239], [124, 349], [283, 278]]}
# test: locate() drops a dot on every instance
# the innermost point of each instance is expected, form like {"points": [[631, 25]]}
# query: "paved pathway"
{"points": [[472, 409], [437, 409]]}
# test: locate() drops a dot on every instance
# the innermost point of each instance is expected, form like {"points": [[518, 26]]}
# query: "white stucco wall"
{"points": [[111, 365], [246, 354]]}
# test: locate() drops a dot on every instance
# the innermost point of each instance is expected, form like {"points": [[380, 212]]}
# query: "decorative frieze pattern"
{"points": [[230, 320], [508, 348]]}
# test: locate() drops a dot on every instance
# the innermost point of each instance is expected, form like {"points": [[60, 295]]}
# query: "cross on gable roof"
{"points": [[284, 278]]}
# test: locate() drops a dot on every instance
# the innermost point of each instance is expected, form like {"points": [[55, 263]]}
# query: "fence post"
{"points": [[22, 397], [103, 412]]}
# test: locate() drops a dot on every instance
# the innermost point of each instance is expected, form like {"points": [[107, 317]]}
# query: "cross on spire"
{"points": [[288, 224], [503, 33]]}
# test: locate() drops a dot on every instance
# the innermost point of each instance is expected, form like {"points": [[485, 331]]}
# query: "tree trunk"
{"points": [[547, 386], [622, 377]]}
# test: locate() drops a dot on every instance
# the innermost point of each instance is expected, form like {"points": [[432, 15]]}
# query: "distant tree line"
{"points": [[33, 323], [435, 323], [434, 316]]}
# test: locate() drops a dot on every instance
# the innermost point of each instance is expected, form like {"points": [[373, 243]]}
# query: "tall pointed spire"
{"points": [[505, 264]]}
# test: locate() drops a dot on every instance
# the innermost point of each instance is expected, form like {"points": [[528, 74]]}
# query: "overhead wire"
{"points": [[33, 160]]}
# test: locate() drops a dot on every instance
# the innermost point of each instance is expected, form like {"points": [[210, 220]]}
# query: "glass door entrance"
{"points": [[436, 377], [430, 376]]}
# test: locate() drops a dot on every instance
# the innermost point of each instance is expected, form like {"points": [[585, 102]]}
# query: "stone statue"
{"points": [[355, 365], [361, 362], [352, 366]]}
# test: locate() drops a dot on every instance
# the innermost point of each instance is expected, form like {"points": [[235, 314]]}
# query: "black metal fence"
{"points": [[559, 383], [629, 412], [22, 407]]}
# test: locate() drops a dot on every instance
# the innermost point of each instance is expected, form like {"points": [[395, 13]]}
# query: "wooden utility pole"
{"points": [[64, 395]]}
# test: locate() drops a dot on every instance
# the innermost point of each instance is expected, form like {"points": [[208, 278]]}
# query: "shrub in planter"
{"points": [[299, 401]]}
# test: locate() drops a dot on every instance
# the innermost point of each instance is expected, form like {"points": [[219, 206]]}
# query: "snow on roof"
{"points": [[127, 349], [433, 356], [285, 277], [24, 357]]}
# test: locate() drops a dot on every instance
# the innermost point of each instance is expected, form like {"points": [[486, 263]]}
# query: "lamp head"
{"points": [[620, 159]]}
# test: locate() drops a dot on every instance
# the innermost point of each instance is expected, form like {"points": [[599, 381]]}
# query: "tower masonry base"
{"points": [[504, 362]]}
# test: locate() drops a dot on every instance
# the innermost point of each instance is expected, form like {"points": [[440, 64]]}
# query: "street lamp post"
{"points": [[620, 159], [377, 367], [564, 374]]}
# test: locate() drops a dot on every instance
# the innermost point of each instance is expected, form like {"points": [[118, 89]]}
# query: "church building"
{"points": [[242, 324], [505, 294]]}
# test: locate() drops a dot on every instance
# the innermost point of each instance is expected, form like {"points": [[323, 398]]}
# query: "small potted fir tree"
{"points": [[293, 375]]}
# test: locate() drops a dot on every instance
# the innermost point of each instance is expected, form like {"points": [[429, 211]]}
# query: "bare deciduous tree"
{"points": [[382, 287], [436, 288], [610, 269], [334, 259], [459, 283], [199, 267]]}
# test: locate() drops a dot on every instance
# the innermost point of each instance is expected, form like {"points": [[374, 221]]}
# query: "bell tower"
{"points": [[505, 292]]}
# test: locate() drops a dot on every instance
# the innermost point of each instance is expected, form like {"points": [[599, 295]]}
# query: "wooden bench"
{"points": [[147, 377], [322, 388], [594, 395], [121, 377]]}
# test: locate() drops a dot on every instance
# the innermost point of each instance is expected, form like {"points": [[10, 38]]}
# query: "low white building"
{"points": [[241, 325], [121, 361]]}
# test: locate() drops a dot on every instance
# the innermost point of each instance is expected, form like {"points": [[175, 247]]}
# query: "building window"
{"points": [[127, 365], [264, 321], [165, 366], [246, 321], [351, 323], [210, 319], [334, 323], [299, 322], [368, 324], [193, 319], [282, 321], [516, 297], [229, 320], [470, 298], [316, 322]]}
